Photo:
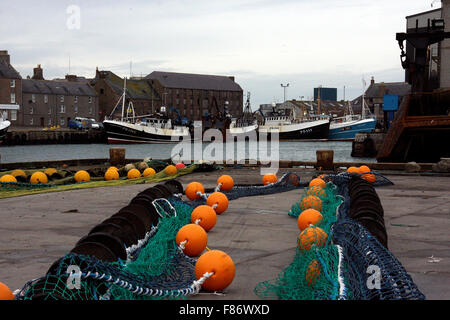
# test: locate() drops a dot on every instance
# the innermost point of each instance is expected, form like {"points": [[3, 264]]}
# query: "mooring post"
{"points": [[116, 156], [325, 159]]}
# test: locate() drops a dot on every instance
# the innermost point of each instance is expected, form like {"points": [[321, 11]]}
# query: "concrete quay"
{"points": [[255, 231]]}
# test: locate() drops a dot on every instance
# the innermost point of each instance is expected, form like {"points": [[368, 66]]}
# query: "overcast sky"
{"points": [[263, 43]]}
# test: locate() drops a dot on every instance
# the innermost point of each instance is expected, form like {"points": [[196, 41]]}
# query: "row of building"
{"points": [[38, 102]]}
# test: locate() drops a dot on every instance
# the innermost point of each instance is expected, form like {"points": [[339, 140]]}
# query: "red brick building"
{"points": [[10, 90]]}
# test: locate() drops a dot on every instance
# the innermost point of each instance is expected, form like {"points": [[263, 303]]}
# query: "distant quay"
{"points": [[28, 136]]}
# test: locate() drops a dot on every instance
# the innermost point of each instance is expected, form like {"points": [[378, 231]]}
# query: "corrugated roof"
{"points": [[8, 71], [57, 87], [194, 81]]}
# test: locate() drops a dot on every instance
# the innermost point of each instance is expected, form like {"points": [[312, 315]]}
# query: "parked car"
{"points": [[84, 123]]}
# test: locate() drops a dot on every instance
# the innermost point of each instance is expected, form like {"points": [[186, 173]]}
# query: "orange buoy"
{"points": [[192, 189], [227, 182], [312, 272], [308, 217], [180, 165], [50, 171], [8, 178], [364, 169], [313, 202], [113, 168], [195, 237], [218, 201], [82, 176], [5, 292], [206, 215], [220, 264], [316, 191], [38, 177], [149, 172], [269, 178], [111, 174], [353, 170], [170, 170], [18, 173], [370, 177], [311, 235], [317, 182], [134, 174]]}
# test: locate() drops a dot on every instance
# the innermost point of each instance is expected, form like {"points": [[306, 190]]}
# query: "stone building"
{"points": [[10, 90], [109, 88], [195, 95], [48, 103]]}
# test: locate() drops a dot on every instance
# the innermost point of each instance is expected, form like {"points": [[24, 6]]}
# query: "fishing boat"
{"points": [[246, 124], [311, 126], [348, 126], [130, 128], [4, 125]]}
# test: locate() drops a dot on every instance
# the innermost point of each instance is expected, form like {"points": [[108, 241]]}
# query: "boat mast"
{"points": [[123, 95]]}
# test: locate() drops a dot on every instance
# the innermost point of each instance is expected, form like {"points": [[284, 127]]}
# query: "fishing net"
{"points": [[352, 264]]}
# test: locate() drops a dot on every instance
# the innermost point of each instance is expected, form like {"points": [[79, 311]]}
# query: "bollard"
{"points": [[116, 156], [325, 159]]}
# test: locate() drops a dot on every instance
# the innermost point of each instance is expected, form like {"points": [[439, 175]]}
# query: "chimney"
{"points": [[4, 56], [372, 81], [37, 73], [71, 77]]}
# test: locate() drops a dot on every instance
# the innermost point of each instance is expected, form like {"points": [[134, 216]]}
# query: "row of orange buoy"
{"points": [[193, 237], [364, 171], [308, 221]]}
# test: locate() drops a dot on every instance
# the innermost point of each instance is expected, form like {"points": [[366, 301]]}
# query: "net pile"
{"points": [[353, 264]]}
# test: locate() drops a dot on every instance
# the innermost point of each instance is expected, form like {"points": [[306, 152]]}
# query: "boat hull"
{"points": [[302, 131], [123, 133], [349, 130], [4, 126]]}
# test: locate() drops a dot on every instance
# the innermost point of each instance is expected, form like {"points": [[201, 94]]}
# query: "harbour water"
{"points": [[287, 150]]}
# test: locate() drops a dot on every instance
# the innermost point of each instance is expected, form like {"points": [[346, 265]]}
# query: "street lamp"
{"points": [[284, 89]]}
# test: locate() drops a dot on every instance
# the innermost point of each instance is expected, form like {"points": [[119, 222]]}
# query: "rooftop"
{"points": [[57, 87]]}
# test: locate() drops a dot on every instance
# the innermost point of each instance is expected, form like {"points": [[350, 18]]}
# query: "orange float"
{"points": [[269, 178], [18, 173], [195, 237], [353, 170], [5, 292], [218, 201], [192, 189], [149, 172], [226, 182], [308, 217], [220, 264], [8, 178], [370, 177], [111, 174], [311, 235], [134, 174], [170, 170], [82, 176], [206, 215], [50, 171], [312, 272], [317, 182], [316, 191], [38, 177], [313, 202], [364, 169]]}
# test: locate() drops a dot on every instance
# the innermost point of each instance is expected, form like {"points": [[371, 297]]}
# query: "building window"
{"points": [[102, 91], [61, 99], [62, 109], [31, 110], [75, 99], [45, 98], [49, 110], [75, 108], [31, 121], [90, 99], [13, 97], [13, 115], [33, 98], [12, 83], [90, 110], [49, 121], [61, 121]]}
